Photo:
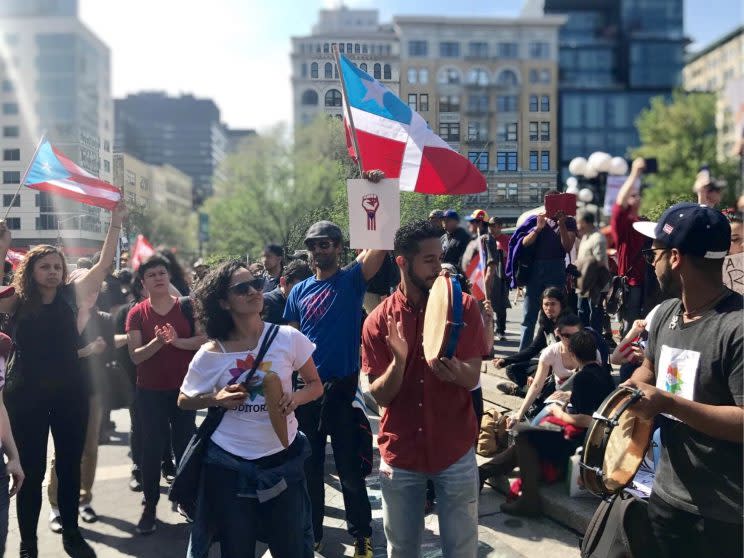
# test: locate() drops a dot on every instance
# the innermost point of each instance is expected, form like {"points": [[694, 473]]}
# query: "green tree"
{"points": [[681, 134], [162, 227]]}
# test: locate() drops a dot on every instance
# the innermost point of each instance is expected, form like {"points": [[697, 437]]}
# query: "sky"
{"points": [[237, 51]]}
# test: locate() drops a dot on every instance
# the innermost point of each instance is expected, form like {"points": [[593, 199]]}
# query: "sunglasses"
{"points": [[322, 244], [649, 254], [244, 288], [566, 335]]}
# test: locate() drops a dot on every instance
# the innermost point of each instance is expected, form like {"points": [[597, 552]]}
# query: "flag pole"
{"points": [[348, 111], [25, 175]]}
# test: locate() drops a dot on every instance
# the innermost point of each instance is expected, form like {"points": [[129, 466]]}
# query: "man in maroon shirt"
{"points": [[162, 340], [428, 426], [629, 243]]}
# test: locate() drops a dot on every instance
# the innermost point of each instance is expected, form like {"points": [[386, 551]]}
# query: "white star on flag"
{"points": [[47, 167], [375, 91]]}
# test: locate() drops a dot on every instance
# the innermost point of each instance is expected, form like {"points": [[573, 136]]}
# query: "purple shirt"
{"points": [[548, 242]]}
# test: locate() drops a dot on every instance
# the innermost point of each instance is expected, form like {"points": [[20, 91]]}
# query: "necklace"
{"points": [[705, 307]]}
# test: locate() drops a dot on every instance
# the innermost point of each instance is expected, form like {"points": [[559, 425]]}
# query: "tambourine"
{"points": [[443, 318], [616, 444]]}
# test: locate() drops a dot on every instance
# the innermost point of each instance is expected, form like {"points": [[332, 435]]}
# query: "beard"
{"points": [[669, 285], [422, 283], [324, 262]]}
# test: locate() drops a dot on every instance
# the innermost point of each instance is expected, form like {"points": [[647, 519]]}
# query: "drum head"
{"points": [[437, 317]]}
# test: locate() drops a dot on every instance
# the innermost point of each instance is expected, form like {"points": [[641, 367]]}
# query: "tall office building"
{"points": [[358, 35], [181, 131], [615, 55], [488, 88], [719, 68], [55, 78]]}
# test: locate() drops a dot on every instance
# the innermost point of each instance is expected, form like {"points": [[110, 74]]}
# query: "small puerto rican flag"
{"points": [[52, 171]]}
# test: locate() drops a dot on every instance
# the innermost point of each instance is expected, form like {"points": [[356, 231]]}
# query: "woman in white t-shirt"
{"points": [[251, 483]]}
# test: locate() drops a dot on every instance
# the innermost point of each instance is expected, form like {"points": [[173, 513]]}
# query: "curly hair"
{"points": [[408, 236], [210, 290], [29, 297]]}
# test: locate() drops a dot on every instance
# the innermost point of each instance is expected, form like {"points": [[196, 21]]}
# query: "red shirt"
{"points": [[166, 369], [629, 242], [430, 424]]}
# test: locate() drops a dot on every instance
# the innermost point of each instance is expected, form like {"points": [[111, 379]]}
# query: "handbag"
{"points": [[619, 528], [185, 487]]}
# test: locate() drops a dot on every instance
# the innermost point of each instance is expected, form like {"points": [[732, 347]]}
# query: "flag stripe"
{"points": [[71, 190]]}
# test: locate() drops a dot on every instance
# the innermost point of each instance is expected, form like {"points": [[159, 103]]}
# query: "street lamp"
{"points": [[60, 221], [589, 180]]}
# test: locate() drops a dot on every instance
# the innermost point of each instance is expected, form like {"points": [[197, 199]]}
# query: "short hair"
{"points": [[408, 237], [587, 217], [550, 193], [84, 263], [296, 271], [155, 260], [274, 249], [568, 320], [583, 346]]}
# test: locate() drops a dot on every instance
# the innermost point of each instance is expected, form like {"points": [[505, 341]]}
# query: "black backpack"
{"points": [[619, 528]]}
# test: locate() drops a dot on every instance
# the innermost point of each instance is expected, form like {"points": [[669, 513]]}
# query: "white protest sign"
{"points": [[612, 188], [733, 272], [374, 213]]}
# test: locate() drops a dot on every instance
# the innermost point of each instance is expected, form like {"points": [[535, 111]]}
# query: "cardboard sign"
{"points": [[560, 202], [612, 188], [374, 213]]}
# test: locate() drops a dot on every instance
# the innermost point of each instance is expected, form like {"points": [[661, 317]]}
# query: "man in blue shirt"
{"points": [[327, 308]]}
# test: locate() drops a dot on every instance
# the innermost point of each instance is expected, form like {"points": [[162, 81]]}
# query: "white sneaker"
{"points": [[55, 521]]}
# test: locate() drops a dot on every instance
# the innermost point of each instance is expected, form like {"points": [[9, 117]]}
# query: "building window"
{"points": [[328, 70], [506, 103], [364, 49], [412, 75], [348, 48], [545, 160], [423, 76], [326, 48], [479, 159], [333, 98], [533, 103], [508, 50], [449, 103], [544, 75], [418, 48], [533, 76], [478, 103], [545, 103], [356, 48], [106, 165], [303, 70], [478, 49], [14, 223], [544, 131], [131, 179], [533, 131], [511, 132], [378, 71], [10, 109], [533, 161], [449, 131], [341, 48], [424, 102], [11, 154], [314, 70], [11, 177], [477, 131], [309, 98], [507, 78], [449, 49], [412, 101], [506, 160], [9, 199], [478, 76], [449, 76], [539, 50], [7, 86], [11, 131], [387, 72]]}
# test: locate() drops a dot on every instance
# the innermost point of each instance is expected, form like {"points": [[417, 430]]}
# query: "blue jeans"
{"points": [[403, 499], [544, 274], [591, 315]]}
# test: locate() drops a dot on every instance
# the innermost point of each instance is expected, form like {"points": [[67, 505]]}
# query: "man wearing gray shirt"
{"points": [[692, 378]]}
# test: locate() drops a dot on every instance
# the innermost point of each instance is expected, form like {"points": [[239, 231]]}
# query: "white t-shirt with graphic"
{"points": [[246, 430]]}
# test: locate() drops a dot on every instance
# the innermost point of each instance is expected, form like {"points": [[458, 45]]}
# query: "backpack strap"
{"points": [[188, 310]]}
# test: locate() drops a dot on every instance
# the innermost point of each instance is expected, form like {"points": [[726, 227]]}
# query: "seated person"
{"points": [[591, 385], [521, 366]]}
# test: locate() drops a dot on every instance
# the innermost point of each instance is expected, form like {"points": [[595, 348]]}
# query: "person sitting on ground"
{"points": [[520, 366], [591, 385]]}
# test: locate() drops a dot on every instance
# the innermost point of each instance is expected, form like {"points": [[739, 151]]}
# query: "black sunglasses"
{"points": [[322, 244], [649, 254], [244, 288], [566, 335]]}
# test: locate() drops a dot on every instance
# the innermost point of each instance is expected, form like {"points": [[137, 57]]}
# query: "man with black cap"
{"points": [[327, 308], [436, 216], [692, 379], [454, 240]]}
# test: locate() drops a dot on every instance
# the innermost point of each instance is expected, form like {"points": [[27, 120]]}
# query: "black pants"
{"points": [[679, 534], [520, 371], [33, 414], [160, 420], [500, 302], [339, 423]]}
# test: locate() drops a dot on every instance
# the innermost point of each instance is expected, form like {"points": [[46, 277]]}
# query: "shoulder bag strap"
{"points": [[268, 340]]}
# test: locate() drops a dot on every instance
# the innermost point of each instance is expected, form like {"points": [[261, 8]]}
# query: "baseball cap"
{"points": [[477, 215], [692, 229], [324, 229], [436, 213], [451, 214], [495, 221]]}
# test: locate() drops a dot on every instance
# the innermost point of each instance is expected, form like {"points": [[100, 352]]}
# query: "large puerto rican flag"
{"points": [[398, 141], [476, 273], [51, 171]]}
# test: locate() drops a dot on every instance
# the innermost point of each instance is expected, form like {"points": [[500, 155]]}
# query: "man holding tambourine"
{"points": [[428, 427], [692, 378]]}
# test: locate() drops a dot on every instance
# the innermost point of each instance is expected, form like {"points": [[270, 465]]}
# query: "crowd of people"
{"points": [[165, 344]]}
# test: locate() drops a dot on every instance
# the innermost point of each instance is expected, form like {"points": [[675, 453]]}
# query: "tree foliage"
{"points": [[681, 134], [161, 227]]}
